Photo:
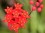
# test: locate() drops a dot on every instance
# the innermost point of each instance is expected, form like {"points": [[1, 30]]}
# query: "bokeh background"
{"points": [[35, 24]]}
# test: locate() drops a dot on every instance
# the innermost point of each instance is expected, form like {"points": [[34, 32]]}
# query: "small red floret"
{"points": [[39, 9], [33, 8], [31, 2]]}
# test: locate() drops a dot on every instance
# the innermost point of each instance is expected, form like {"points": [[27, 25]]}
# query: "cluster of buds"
{"points": [[37, 5], [16, 17]]}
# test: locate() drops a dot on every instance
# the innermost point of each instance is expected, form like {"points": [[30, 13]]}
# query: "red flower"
{"points": [[9, 10], [37, 6], [41, 6], [33, 8], [31, 2], [39, 9], [18, 6], [16, 17], [40, 1]]}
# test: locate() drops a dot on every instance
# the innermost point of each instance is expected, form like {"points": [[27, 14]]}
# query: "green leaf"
{"points": [[34, 22], [2, 14]]}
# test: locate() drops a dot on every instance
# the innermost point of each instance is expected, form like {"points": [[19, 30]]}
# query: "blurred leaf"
{"points": [[26, 4], [34, 22], [2, 14]]}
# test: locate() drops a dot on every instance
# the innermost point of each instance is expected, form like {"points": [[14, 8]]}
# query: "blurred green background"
{"points": [[35, 24]]}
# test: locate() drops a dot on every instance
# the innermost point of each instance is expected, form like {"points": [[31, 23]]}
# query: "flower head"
{"points": [[17, 17]]}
